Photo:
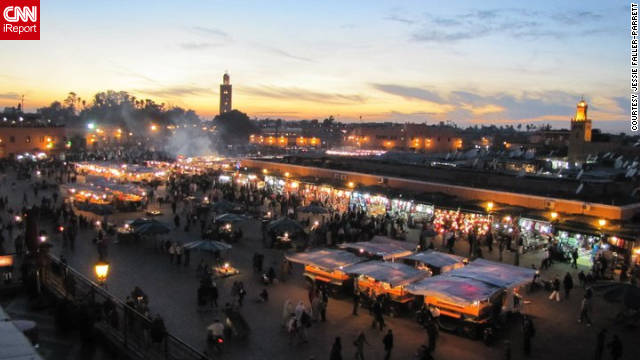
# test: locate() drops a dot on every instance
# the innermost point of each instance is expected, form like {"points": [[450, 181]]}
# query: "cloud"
{"points": [[292, 93], [514, 23], [408, 92], [285, 54], [198, 45], [399, 19], [176, 91], [9, 96], [211, 31]]}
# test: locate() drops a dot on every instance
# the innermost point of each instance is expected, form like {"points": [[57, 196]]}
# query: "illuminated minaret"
{"points": [[580, 134], [225, 94], [580, 124]]}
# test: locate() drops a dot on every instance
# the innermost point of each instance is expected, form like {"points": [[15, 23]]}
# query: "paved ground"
{"points": [[172, 293]]}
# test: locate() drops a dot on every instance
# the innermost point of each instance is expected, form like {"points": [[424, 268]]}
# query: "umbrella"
{"points": [[231, 218], [285, 224], [625, 293], [139, 221], [224, 206], [313, 209], [153, 227], [211, 246]]}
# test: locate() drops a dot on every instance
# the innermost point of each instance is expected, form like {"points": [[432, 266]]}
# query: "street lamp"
{"points": [[101, 269]]}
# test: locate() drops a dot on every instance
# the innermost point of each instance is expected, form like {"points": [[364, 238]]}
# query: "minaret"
{"points": [[580, 133], [225, 94], [580, 124]]}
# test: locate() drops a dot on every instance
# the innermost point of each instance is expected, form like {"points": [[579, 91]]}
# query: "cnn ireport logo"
{"points": [[19, 19]]}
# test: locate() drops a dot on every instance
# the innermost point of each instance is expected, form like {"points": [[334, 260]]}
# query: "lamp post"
{"points": [[101, 269]]}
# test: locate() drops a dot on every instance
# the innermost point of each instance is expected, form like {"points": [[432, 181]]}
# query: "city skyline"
{"points": [[417, 62]]}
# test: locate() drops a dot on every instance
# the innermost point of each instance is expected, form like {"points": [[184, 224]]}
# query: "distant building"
{"points": [[225, 94], [407, 137], [15, 140]]}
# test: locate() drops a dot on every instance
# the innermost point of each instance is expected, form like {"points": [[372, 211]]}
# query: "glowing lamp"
{"points": [[287, 174], [554, 215], [602, 222], [490, 206], [351, 184], [101, 269]]}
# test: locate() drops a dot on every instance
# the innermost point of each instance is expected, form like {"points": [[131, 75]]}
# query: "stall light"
{"points": [[265, 171], [61, 228], [17, 219], [361, 250], [636, 251], [316, 223], [507, 218], [98, 223], [351, 184], [602, 222], [226, 265], [287, 174], [294, 184], [490, 206], [42, 238], [554, 215]]}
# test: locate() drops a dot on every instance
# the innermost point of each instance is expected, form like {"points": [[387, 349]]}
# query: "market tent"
{"points": [[98, 209], [381, 246], [285, 224], [313, 209], [453, 289], [153, 227], [139, 221], [231, 218], [225, 206], [436, 258], [395, 274], [206, 245], [494, 273], [328, 259]]}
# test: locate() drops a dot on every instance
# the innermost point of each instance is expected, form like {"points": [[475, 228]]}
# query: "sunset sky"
{"points": [[466, 61]]}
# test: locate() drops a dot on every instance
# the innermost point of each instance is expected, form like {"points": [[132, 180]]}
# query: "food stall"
{"points": [[466, 305], [380, 247], [474, 295], [326, 266], [385, 278], [434, 262], [535, 232], [373, 205]]}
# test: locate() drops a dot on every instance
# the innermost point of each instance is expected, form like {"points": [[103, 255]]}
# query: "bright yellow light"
{"points": [[351, 184], [286, 174], [101, 269], [602, 222], [554, 215], [294, 184], [154, 127], [489, 206], [265, 171]]}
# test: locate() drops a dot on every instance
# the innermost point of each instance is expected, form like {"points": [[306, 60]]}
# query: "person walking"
{"points": [[356, 302], [377, 315], [568, 285], [602, 336], [432, 334], [359, 344], [556, 290], [528, 332], [336, 350], [615, 348], [585, 309], [574, 258], [388, 344]]}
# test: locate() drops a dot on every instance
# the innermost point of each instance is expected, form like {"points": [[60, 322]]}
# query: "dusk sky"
{"points": [[491, 62]]}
